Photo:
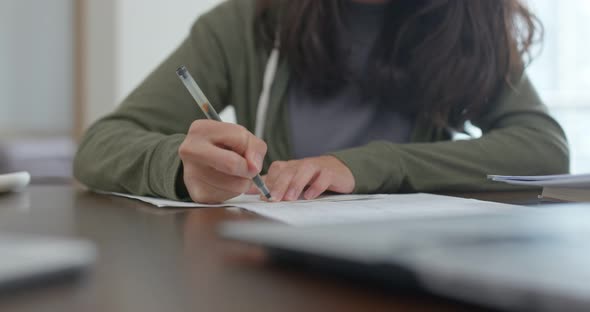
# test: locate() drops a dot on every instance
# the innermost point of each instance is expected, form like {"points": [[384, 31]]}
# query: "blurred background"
{"points": [[66, 63]]}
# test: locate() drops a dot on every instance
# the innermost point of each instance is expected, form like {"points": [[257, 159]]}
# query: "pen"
{"points": [[210, 112]]}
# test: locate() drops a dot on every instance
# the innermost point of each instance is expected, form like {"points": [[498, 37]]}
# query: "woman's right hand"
{"points": [[219, 160]]}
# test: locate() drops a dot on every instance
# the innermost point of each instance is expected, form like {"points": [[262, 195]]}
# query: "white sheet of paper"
{"points": [[350, 208], [398, 206], [240, 201]]}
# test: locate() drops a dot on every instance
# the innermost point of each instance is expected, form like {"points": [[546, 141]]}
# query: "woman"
{"points": [[356, 96]]}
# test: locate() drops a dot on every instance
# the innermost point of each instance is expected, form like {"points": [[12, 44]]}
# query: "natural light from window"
{"points": [[561, 72]]}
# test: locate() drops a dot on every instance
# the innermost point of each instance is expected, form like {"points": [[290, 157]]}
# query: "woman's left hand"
{"points": [[310, 177]]}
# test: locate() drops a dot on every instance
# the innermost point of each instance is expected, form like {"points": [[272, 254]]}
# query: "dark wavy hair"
{"points": [[445, 59]]}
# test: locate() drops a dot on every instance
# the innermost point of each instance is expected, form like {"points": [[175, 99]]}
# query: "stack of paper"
{"points": [[46, 159], [350, 208], [561, 187]]}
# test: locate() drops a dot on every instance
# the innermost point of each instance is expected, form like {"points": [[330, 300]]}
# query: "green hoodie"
{"points": [[135, 149]]}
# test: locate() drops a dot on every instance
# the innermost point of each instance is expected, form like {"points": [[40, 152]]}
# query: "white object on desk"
{"points": [[560, 187], [390, 207], [14, 182], [337, 209], [240, 201], [558, 180], [28, 260]]}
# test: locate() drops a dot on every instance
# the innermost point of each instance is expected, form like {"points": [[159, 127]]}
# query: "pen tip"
{"points": [[181, 71]]}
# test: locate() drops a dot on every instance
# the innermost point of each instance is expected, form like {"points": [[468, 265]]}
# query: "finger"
{"points": [[304, 176], [206, 193], [319, 185], [227, 135], [282, 182], [274, 171], [255, 152], [224, 181], [233, 137], [222, 160], [211, 196], [240, 140], [244, 143]]}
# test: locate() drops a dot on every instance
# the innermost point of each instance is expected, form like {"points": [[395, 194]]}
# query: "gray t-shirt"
{"points": [[348, 118]]}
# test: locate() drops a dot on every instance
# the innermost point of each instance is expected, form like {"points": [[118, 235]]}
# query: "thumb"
{"points": [[255, 161]]}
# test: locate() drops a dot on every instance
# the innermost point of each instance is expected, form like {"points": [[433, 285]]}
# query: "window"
{"points": [[36, 76], [561, 73]]}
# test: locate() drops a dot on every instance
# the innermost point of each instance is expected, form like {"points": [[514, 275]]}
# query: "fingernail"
{"points": [[290, 195], [309, 194], [258, 159], [274, 197]]}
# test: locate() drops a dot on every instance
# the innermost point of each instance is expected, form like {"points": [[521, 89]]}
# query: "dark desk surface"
{"points": [[171, 260]]}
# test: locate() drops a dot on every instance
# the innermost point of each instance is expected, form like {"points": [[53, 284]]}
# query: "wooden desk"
{"points": [[171, 260]]}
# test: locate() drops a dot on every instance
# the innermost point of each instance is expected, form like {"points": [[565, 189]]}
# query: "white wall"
{"points": [[99, 60], [36, 68], [126, 40], [148, 31]]}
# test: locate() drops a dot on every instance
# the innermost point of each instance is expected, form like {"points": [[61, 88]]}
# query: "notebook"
{"points": [[562, 187]]}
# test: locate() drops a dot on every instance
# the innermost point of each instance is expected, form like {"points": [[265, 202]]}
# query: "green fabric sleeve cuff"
{"points": [[377, 167], [165, 172]]}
